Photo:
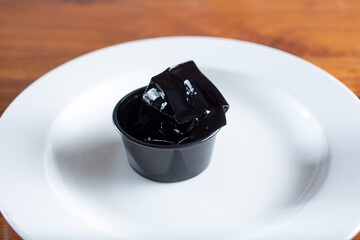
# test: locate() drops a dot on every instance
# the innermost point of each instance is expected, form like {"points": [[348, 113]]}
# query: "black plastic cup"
{"points": [[161, 163]]}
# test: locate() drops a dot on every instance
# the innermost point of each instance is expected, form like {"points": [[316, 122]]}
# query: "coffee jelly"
{"points": [[179, 105]]}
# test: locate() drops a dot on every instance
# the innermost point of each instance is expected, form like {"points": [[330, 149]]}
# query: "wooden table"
{"points": [[36, 36]]}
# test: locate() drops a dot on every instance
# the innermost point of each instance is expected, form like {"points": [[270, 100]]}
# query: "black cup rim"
{"points": [[147, 144]]}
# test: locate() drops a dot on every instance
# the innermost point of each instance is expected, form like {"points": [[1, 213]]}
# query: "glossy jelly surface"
{"points": [[179, 105]]}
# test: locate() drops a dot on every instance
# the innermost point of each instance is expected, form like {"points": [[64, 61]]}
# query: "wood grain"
{"points": [[36, 36]]}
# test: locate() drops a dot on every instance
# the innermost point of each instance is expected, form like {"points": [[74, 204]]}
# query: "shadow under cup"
{"points": [[161, 163]]}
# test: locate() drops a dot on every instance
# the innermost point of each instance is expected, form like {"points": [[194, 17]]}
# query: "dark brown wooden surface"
{"points": [[36, 36]]}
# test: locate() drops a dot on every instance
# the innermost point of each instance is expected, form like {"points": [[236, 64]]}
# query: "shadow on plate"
{"points": [[96, 164]]}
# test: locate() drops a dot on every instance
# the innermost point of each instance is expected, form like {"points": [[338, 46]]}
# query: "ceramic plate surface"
{"points": [[286, 166]]}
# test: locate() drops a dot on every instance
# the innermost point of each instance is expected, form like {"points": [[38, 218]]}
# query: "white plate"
{"points": [[285, 167]]}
